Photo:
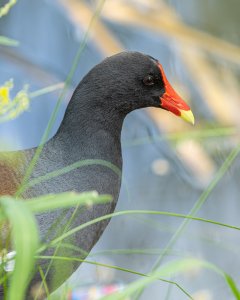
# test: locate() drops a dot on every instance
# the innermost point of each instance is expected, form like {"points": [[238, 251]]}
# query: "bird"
{"points": [[91, 130]]}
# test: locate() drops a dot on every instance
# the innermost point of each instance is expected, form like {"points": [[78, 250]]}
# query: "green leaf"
{"points": [[25, 240]]}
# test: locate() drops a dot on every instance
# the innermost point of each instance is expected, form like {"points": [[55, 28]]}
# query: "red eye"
{"points": [[148, 80]]}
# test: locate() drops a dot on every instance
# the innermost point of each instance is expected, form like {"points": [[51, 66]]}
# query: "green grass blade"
{"points": [[202, 199], [60, 99], [175, 267], [172, 268], [51, 202], [46, 290], [25, 242], [132, 212], [47, 90], [5, 8], [233, 286], [186, 135], [64, 200], [24, 230], [4, 41], [71, 167], [113, 267]]}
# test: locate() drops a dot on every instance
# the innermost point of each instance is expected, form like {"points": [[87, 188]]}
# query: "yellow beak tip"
{"points": [[187, 116]]}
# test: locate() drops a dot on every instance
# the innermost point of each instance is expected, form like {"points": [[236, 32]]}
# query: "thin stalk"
{"points": [[46, 90], [45, 136], [131, 212], [196, 135], [202, 199], [115, 268]]}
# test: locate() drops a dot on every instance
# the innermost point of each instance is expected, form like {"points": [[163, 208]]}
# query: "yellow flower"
{"points": [[4, 95], [12, 108]]}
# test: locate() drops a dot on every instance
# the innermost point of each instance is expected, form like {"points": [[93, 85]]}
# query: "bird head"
{"points": [[132, 80]]}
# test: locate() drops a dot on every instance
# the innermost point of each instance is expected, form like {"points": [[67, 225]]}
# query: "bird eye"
{"points": [[148, 80]]}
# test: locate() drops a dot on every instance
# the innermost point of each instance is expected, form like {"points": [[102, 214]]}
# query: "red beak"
{"points": [[172, 102]]}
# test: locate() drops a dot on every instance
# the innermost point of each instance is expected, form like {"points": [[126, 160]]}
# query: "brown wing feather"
{"points": [[12, 166], [8, 180]]}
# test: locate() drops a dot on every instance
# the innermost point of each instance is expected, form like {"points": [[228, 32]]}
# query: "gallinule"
{"points": [[91, 129]]}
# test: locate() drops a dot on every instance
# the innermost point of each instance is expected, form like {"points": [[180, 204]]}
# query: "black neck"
{"points": [[89, 130]]}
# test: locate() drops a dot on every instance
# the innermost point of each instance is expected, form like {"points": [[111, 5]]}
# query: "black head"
{"points": [[128, 81]]}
